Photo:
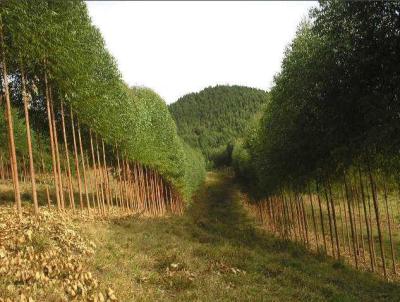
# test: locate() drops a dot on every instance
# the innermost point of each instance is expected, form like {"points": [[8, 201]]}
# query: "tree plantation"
{"points": [[231, 193], [322, 162], [72, 127]]}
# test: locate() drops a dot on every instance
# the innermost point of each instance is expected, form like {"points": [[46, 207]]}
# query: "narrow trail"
{"points": [[215, 252]]}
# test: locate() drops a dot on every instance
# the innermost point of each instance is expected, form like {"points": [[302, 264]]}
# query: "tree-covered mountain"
{"points": [[212, 119]]}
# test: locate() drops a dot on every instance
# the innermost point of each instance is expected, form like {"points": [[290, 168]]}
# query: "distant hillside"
{"points": [[215, 117]]}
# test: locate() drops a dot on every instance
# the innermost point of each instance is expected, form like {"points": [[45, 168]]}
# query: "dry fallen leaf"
{"points": [[56, 259]]}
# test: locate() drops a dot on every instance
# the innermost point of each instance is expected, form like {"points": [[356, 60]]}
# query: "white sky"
{"points": [[180, 47]]}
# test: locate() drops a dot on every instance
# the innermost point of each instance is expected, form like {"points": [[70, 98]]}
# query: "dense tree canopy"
{"points": [[55, 44], [212, 119], [335, 104]]}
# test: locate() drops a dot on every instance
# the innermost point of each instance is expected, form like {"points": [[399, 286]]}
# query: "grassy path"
{"points": [[216, 253]]}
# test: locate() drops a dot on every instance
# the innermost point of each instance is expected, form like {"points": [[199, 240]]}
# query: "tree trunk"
{"points": [[106, 167], [366, 221], [76, 159], [101, 177], [389, 227], [57, 153], [304, 218], [106, 179], [53, 152], [378, 219], [313, 218], [334, 219], [95, 181], [120, 183], [10, 128], [346, 220], [359, 219], [2, 169], [330, 221], [342, 224], [352, 207], [85, 182], [29, 141], [321, 219], [69, 174], [351, 220]]}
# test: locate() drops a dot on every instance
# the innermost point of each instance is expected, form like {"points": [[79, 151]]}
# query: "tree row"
{"points": [[70, 124], [332, 127]]}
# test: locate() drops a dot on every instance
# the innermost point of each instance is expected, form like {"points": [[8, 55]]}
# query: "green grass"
{"points": [[215, 252]]}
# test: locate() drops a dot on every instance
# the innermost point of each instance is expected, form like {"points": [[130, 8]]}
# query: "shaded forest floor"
{"points": [[215, 252]]}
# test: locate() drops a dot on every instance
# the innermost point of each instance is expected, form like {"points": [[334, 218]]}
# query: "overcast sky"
{"points": [[181, 47]]}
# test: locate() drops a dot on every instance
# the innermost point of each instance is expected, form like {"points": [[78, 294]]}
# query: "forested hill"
{"points": [[215, 117]]}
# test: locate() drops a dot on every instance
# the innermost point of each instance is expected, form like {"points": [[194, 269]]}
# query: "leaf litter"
{"points": [[43, 258]]}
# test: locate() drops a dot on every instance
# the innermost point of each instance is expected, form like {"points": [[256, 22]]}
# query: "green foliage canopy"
{"points": [[57, 38], [335, 104]]}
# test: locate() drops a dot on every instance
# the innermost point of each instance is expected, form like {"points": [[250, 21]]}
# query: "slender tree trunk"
{"points": [[286, 216], [334, 219], [29, 141], [22, 170], [342, 224], [131, 187], [106, 180], [389, 227], [290, 215], [101, 178], [44, 172], [138, 187], [48, 196], [124, 177], [299, 218], [10, 127], [57, 153], [135, 190], [330, 221], [313, 218], [76, 159], [371, 228], [161, 192], [305, 219], [353, 200], [117, 184], [145, 191], [145, 187], [69, 174], [273, 216], [157, 195], [351, 220], [120, 182], [346, 220], [366, 220], [359, 219], [294, 224], [53, 152], [2, 169], [85, 182], [95, 180], [378, 219], [321, 219]]}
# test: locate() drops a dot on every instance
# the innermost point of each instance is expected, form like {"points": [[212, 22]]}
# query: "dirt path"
{"points": [[216, 253]]}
